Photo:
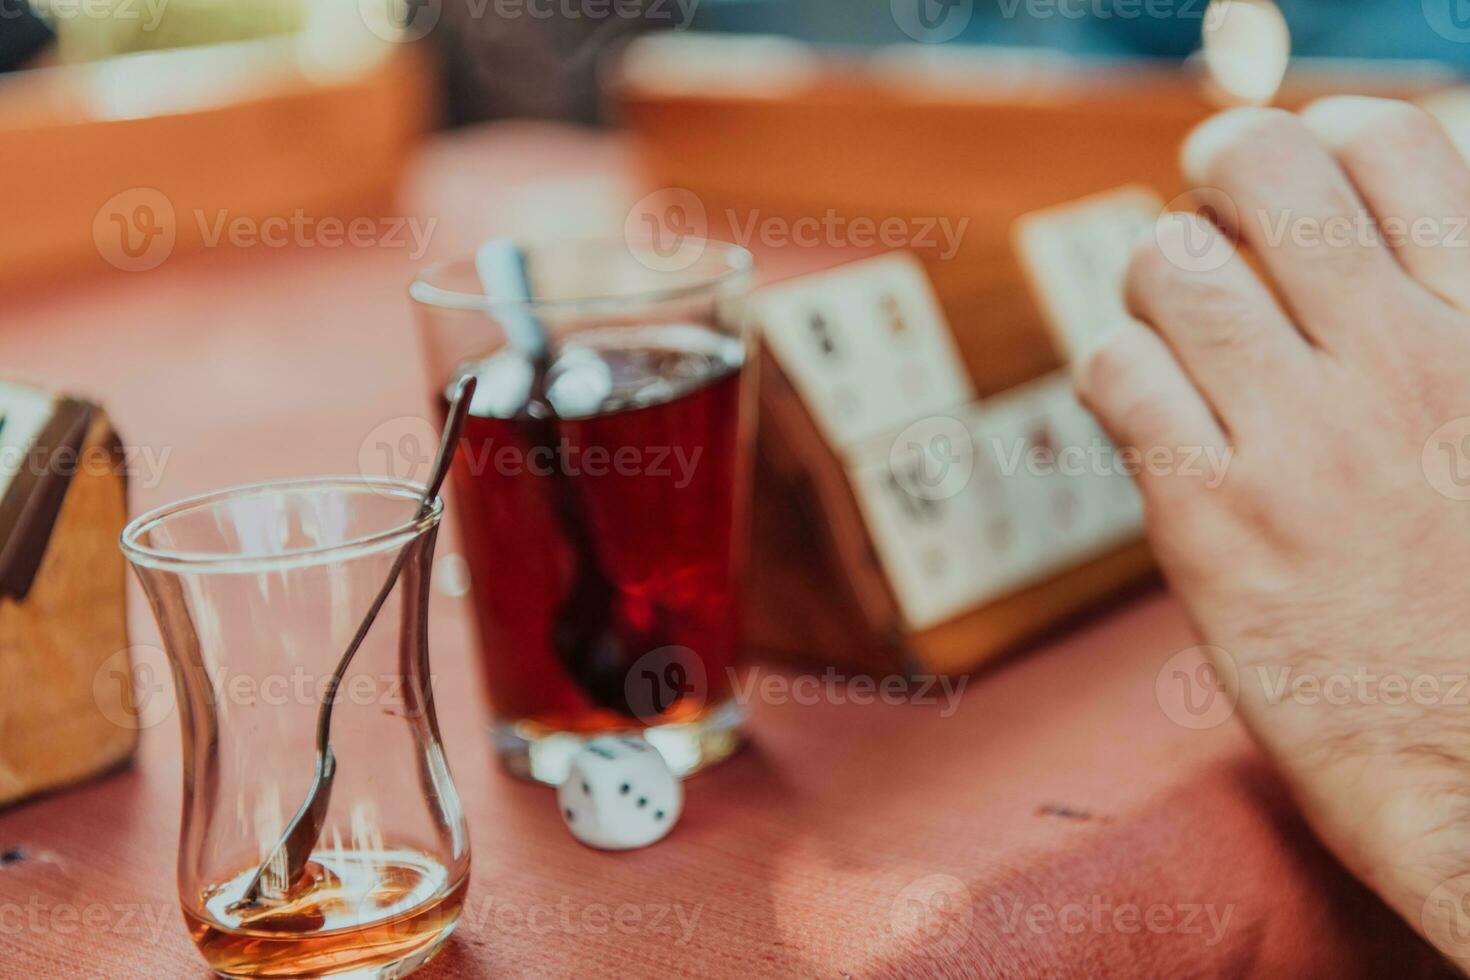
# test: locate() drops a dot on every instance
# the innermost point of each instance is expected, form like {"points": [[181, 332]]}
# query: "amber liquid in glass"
{"points": [[649, 488], [357, 911]]}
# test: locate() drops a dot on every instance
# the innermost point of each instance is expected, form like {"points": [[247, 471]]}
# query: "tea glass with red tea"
{"points": [[602, 491]]}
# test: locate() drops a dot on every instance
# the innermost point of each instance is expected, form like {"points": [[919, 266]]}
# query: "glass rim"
{"points": [[738, 262], [362, 545]]}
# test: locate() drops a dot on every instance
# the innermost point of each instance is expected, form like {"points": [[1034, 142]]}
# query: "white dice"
{"points": [[619, 794]]}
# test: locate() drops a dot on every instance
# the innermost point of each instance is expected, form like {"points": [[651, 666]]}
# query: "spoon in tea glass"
{"points": [[592, 641], [281, 871]]}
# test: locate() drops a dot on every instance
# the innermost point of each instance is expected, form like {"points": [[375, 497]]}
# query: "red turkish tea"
{"points": [[602, 508]]}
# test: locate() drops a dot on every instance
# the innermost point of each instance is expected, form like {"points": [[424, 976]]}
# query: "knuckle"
{"points": [[1148, 270], [1358, 123], [1142, 414], [1220, 321], [1109, 369]]}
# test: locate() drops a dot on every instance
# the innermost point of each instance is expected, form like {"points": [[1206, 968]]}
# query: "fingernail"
{"points": [[1216, 134], [1337, 120]]}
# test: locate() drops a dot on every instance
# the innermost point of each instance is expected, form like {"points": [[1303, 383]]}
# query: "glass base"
{"points": [[533, 752], [386, 971]]}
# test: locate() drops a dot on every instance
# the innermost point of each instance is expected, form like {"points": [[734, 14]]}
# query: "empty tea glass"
{"points": [[258, 591]]}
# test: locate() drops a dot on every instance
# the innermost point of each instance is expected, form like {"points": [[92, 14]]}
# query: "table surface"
{"points": [[1056, 821]]}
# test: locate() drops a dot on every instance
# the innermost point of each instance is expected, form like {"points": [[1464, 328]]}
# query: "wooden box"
{"points": [[66, 708]]}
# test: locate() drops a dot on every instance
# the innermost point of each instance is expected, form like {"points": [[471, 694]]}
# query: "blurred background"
{"points": [[192, 97]]}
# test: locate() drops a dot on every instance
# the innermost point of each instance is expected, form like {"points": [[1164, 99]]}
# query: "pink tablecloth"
{"points": [[1055, 822]]}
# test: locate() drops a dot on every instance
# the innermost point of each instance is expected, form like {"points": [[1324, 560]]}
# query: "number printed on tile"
{"points": [[866, 346], [1042, 493]]}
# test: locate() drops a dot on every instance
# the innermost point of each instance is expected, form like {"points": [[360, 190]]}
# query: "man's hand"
{"points": [[1331, 568]]}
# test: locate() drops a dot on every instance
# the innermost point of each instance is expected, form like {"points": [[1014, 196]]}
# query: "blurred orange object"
{"points": [[163, 143]]}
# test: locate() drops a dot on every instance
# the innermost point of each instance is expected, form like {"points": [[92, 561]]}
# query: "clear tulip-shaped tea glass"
{"points": [[258, 591]]}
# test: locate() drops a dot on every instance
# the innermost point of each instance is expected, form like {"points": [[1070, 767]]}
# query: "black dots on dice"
{"points": [[625, 789]]}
